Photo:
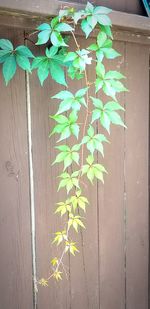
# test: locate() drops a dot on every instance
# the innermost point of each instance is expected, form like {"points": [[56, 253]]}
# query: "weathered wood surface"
{"points": [[111, 270], [50, 7], [111, 212], [135, 26], [136, 177], [129, 6], [42, 7]]}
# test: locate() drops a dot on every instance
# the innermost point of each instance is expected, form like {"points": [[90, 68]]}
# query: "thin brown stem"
{"points": [[75, 40], [28, 39]]}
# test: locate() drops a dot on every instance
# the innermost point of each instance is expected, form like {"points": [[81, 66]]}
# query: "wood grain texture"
{"points": [[136, 176], [128, 6], [15, 239], [111, 270], [36, 6], [50, 7], [111, 211]]}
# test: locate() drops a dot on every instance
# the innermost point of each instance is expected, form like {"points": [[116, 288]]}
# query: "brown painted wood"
{"points": [[136, 176], [37, 6], [50, 7], [15, 232], [120, 20], [129, 6], [111, 270], [111, 211]]}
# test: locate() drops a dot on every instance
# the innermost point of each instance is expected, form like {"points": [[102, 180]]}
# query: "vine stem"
{"points": [[82, 153], [86, 118], [87, 110]]}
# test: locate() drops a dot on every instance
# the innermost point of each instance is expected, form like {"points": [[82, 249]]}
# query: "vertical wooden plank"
{"points": [[111, 211], [46, 195], [37, 6], [136, 175], [84, 266], [15, 240]]}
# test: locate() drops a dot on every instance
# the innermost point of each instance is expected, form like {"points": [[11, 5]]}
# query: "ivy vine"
{"points": [[57, 62]]}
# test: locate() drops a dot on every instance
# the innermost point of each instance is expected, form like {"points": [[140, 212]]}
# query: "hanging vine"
{"points": [[59, 59]]}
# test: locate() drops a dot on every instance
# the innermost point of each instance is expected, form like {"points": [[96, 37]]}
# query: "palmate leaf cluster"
{"points": [[81, 122]]}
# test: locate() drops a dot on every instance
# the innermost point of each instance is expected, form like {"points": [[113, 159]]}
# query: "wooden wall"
{"points": [[128, 6], [111, 270]]}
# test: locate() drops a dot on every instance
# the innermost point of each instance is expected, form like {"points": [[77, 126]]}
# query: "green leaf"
{"points": [[60, 157], [67, 155], [105, 121], [90, 131], [70, 56], [93, 47], [102, 10], [42, 73], [50, 52], [114, 75], [77, 16], [64, 94], [54, 22], [81, 92], [100, 70], [101, 38], [107, 30], [112, 106], [66, 132], [89, 7], [104, 20], [23, 62], [90, 174], [92, 21], [98, 84], [118, 86], [75, 222], [86, 28], [97, 103], [43, 37], [75, 157], [109, 90], [79, 201], [44, 26], [24, 51], [115, 118], [110, 53], [93, 170], [96, 114], [75, 130], [4, 54], [90, 160], [69, 181], [6, 44], [57, 39], [60, 119], [63, 27], [63, 148], [63, 207], [9, 68], [57, 73], [64, 106]]}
